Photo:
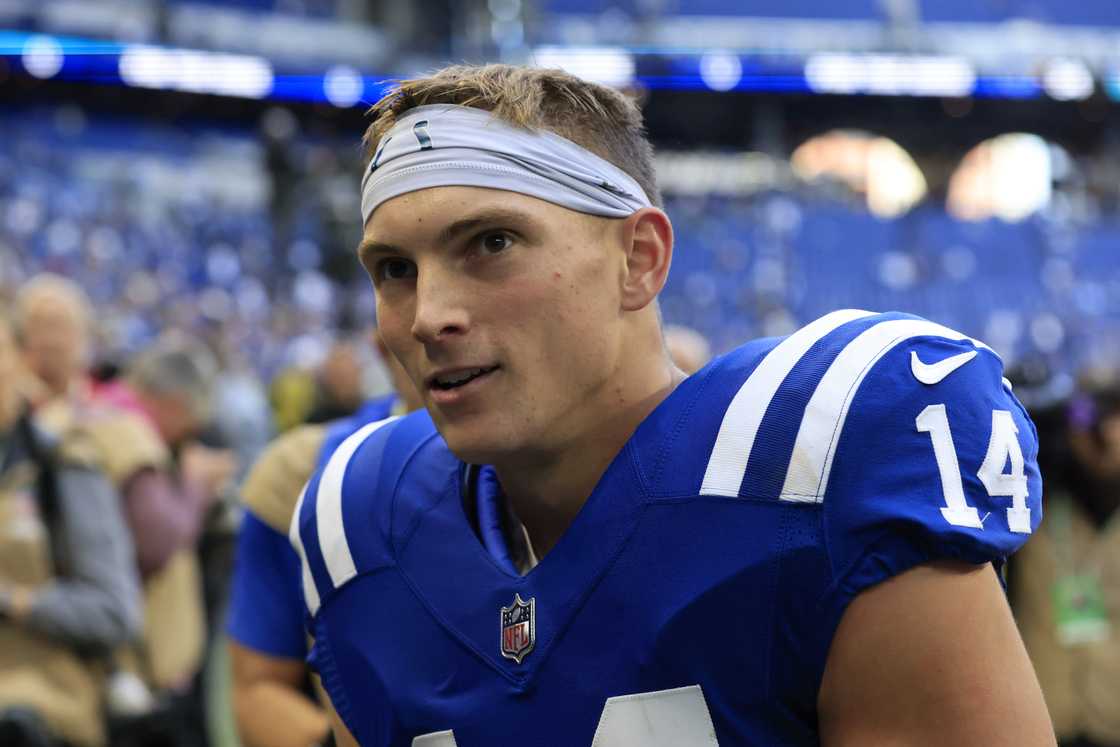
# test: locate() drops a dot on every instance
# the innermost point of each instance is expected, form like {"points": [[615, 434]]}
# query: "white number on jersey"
{"points": [[1003, 449], [666, 718]]}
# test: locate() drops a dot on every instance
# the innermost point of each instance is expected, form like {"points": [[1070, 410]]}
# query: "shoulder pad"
{"points": [[347, 514], [760, 406], [847, 373], [274, 483]]}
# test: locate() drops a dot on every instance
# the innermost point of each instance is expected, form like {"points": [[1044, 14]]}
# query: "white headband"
{"points": [[447, 145]]}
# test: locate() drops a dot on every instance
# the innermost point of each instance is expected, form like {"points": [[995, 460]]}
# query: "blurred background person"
{"points": [[272, 701], [1065, 585], [145, 427], [52, 320], [340, 385], [69, 591]]}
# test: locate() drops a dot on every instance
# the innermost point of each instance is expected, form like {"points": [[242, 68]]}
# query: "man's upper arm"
{"points": [[931, 657], [268, 701], [98, 603], [927, 476], [265, 605]]}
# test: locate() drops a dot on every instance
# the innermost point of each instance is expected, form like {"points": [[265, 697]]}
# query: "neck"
{"points": [[547, 489]]}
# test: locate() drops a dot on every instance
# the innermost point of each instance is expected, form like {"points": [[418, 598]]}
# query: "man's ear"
{"points": [[648, 239]]}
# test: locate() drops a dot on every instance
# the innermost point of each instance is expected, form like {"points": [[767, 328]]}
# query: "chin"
{"points": [[477, 445]]}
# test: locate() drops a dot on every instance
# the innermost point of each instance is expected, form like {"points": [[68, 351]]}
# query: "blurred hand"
{"points": [[15, 601], [212, 469]]}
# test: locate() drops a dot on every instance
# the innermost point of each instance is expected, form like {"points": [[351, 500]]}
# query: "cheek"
{"points": [[575, 310], [394, 324]]}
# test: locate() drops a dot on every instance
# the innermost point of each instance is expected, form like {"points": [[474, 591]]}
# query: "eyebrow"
{"points": [[491, 216]]}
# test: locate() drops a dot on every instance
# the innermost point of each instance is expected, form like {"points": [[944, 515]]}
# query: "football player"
{"points": [[574, 544], [265, 625]]}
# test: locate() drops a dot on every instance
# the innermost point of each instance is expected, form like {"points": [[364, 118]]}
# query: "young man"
{"points": [[577, 545]]}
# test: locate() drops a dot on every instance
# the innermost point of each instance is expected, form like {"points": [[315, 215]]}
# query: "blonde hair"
{"points": [[47, 286], [600, 119]]}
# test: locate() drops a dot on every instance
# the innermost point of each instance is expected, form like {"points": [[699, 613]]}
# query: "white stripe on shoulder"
{"points": [[328, 506], [737, 432], [823, 422], [310, 593]]}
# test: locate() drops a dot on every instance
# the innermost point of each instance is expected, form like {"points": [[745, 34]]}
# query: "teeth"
{"points": [[460, 377]]}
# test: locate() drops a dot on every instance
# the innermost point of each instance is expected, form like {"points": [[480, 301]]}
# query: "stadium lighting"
{"points": [[721, 71], [243, 76], [343, 86], [1067, 80], [890, 75], [43, 56], [611, 66]]}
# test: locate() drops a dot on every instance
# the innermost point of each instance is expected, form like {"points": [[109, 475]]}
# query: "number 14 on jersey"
{"points": [[1003, 451]]}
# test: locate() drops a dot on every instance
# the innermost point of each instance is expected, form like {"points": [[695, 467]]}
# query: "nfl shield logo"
{"points": [[519, 628]]}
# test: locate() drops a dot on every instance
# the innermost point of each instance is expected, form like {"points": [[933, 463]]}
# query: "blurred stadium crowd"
{"points": [[176, 296]]}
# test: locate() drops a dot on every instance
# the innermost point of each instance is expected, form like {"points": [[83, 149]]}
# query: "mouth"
{"points": [[448, 381]]}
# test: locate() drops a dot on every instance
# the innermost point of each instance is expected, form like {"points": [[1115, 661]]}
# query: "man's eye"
{"points": [[494, 243], [394, 269]]}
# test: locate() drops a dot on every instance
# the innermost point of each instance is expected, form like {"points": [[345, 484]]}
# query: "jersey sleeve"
{"points": [[334, 526], [265, 607], [933, 458]]}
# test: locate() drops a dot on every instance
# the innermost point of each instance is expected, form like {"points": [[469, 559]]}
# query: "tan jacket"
{"points": [[38, 672], [1081, 682], [172, 648]]}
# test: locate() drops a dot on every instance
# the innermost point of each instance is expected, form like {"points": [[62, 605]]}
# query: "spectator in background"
{"points": [[52, 325], [688, 348], [268, 643], [1065, 583], [292, 396], [242, 417], [340, 383], [144, 427], [69, 593]]}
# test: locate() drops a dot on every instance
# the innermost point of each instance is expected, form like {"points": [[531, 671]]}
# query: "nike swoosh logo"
{"points": [[933, 373]]}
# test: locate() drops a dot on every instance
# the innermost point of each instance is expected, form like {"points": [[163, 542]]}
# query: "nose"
{"points": [[441, 313]]}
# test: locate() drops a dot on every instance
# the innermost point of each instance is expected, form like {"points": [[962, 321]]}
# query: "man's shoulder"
{"points": [[124, 441], [337, 431], [775, 407], [379, 480], [902, 431], [273, 485]]}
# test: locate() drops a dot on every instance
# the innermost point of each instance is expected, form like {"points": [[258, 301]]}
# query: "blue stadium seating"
{"points": [[850, 9], [1082, 12], [743, 267]]}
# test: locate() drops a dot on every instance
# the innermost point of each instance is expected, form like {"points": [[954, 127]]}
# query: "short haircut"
{"points": [[48, 285], [600, 119], [175, 366]]}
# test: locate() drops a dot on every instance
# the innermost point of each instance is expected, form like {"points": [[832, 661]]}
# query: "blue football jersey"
{"points": [[694, 597]]}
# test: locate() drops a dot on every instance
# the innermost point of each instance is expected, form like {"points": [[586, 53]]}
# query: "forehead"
{"points": [[55, 305], [427, 213]]}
